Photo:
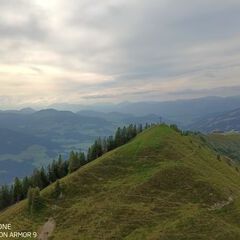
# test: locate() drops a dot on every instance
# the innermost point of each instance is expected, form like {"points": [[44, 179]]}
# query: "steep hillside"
{"points": [[227, 121], [227, 144], [161, 185]]}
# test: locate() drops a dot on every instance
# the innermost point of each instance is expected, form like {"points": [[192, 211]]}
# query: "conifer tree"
{"points": [[43, 179], [25, 186], [124, 135], [39, 178], [98, 148], [110, 143], [89, 154], [29, 198], [118, 137], [140, 128], [61, 171], [104, 145], [17, 190], [57, 190], [82, 158], [74, 162], [35, 201], [5, 197], [52, 177]]}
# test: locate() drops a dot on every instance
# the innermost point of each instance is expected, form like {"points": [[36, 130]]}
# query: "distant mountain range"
{"points": [[21, 111], [228, 121], [121, 118], [183, 112], [35, 137]]}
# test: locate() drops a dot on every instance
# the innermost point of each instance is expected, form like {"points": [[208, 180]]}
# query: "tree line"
{"points": [[30, 186]]}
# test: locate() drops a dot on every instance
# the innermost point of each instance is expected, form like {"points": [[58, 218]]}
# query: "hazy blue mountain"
{"points": [[67, 106], [27, 110], [48, 120], [182, 112], [15, 142], [21, 111], [20, 153], [116, 116], [101, 107], [9, 169], [122, 118], [227, 121]]}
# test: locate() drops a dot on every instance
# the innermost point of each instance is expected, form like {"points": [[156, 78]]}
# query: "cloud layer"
{"points": [[90, 51]]}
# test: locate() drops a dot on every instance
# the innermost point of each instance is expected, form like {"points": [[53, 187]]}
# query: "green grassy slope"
{"points": [[227, 144], [161, 185]]}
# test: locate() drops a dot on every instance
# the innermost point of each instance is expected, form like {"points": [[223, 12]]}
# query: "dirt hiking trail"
{"points": [[47, 229]]}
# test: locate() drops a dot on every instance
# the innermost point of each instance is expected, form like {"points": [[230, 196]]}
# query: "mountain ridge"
{"points": [[227, 121], [183, 111], [160, 185]]}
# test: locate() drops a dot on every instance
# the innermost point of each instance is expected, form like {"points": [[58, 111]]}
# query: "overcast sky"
{"points": [[87, 51]]}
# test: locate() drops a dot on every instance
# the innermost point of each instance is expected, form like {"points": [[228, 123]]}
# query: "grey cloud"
{"points": [[21, 19], [155, 36], [31, 30], [135, 43], [220, 91], [100, 96]]}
